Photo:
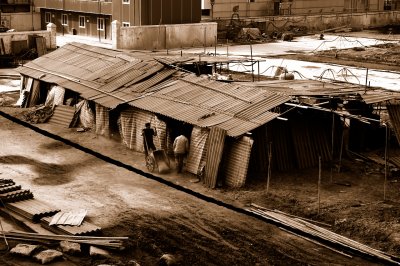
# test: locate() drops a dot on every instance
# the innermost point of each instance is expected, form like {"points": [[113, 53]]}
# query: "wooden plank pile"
{"points": [[322, 236], [107, 242]]}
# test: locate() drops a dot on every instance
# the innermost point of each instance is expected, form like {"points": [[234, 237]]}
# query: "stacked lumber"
{"points": [[109, 242], [312, 232]]}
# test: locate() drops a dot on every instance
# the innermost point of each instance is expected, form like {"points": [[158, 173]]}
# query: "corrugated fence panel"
{"points": [[197, 149], [132, 122], [102, 121], [394, 115], [62, 115], [237, 161], [214, 155]]}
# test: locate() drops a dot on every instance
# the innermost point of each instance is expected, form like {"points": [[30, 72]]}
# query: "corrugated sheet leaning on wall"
{"points": [[102, 121], [236, 162], [394, 115], [215, 149], [62, 115], [197, 150]]}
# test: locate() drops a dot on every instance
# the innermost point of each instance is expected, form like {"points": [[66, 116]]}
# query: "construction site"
{"points": [[293, 149]]}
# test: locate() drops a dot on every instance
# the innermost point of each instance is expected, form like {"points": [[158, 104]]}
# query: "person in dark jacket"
{"points": [[148, 133]]}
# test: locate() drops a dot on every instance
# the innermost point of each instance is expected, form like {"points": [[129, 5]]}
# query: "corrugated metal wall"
{"points": [[102, 121], [296, 143], [236, 162], [197, 150], [215, 149], [394, 115], [131, 123]]}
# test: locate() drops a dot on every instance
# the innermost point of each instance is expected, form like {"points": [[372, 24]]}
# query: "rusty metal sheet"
{"points": [[215, 149], [377, 96], [62, 115], [236, 162], [394, 116]]}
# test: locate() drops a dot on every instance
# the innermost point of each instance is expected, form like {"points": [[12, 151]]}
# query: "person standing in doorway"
{"points": [[181, 147], [148, 133]]}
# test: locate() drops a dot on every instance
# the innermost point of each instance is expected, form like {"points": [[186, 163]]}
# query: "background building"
{"points": [[223, 9], [93, 18]]}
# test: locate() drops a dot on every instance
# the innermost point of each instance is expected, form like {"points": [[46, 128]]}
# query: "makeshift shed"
{"points": [[234, 128]]}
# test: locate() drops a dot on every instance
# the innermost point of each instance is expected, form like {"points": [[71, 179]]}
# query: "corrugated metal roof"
{"points": [[308, 87], [377, 96], [204, 103], [111, 78]]}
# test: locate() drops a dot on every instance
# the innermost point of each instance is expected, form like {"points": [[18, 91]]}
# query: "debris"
{"points": [[329, 238], [98, 252], [25, 250], [39, 115], [70, 247], [347, 184], [287, 36], [48, 255], [167, 260]]}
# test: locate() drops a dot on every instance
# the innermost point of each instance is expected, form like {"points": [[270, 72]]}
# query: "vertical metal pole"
{"points": [[386, 145], [366, 81], [204, 40], [319, 185], [333, 135], [251, 58], [215, 46], [258, 74], [99, 20]]}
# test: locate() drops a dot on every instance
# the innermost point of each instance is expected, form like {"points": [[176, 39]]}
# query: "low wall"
{"points": [[160, 37], [49, 35], [324, 22]]}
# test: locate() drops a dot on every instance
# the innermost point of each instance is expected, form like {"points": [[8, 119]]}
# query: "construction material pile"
{"points": [[20, 205], [307, 230]]}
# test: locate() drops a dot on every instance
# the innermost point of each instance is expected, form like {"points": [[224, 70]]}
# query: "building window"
{"points": [[125, 1], [64, 20], [47, 17], [100, 23], [125, 24], [82, 22]]}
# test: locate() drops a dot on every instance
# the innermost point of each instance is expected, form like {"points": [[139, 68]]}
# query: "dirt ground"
{"points": [[157, 218]]}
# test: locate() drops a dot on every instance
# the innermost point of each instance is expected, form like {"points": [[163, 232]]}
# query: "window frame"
{"points": [[47, 17], [64, 19], [126, 2], [82, 25], [100, 24]]}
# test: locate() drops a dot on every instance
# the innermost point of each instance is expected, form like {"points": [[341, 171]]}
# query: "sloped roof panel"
{"points": [[371, 97]]}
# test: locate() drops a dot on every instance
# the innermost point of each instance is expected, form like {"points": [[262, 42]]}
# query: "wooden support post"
{"points": [[269, 165], [386, 145]]}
